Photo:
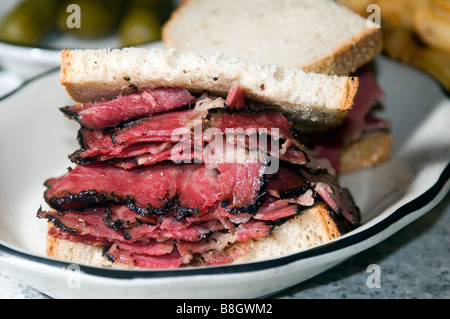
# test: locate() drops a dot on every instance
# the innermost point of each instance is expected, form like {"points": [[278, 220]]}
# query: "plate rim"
{"points": [[28, 81], [420, 201]]}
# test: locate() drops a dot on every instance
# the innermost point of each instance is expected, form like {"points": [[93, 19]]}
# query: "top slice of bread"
{"points": [[314, 101], [313, 35]]}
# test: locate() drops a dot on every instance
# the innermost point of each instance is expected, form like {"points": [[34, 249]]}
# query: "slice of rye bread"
{"points": [[314, 35]]}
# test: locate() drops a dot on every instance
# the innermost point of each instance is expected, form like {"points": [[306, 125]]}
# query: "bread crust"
{"points": [[51, 249], [350, 56], [66, 61]]}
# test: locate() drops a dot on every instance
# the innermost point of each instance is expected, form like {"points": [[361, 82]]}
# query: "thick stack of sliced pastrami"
{"points": [[148, 187]]}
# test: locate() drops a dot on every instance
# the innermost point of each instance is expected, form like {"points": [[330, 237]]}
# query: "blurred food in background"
{"points": [[98, 18], [416, 32], [28, 21], [143, 20], [136, 22]]}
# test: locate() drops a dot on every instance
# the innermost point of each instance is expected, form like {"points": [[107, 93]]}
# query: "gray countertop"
{"points": [[413, 263]]}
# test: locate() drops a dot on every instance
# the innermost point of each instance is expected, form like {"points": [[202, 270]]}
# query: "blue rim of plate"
{"points": [[412, 206]]}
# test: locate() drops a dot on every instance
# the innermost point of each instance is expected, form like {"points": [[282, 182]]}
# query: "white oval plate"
{"points": [[36, 139]]}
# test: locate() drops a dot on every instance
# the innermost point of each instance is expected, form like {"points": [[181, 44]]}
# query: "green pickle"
{"points": [[139, 26], [27, 23], [137, 21], [97, 17], [143, 21]]}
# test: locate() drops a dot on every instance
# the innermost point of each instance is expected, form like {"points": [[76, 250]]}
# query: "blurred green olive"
{"points": [[139, 25], [96, 17], [138, 21], [26, 23], [151, 3]]}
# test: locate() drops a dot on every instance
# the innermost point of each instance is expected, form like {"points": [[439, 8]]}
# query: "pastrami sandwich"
{"points": [[313, 35], [189, 159]]}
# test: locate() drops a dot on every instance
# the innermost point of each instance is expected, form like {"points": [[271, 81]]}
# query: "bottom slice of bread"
{"points": [[79, 253], [312, 227]]}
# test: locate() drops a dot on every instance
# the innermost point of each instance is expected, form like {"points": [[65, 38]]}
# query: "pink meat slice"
{"points": [[147, 187], [111, 113]]}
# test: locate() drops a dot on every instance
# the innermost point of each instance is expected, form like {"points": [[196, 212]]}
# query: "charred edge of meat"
{"points": [[66, 110], [40, 213], [126, 235], [145, 211], [293, 193], [77, 159], [227, 108], [207, 237], [132, 206], [341, 222], [128, 123], [112, 134], [90, 196], [183, 212], [60, 225], [108, 256], [172, 204], [80, 139], [277, 222], [253, 208], [105, 251], [281, 221], [274, 223], [141, 222], [357, 221], [93, 197], [115, 224], [306, 154], [340, 217]]}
